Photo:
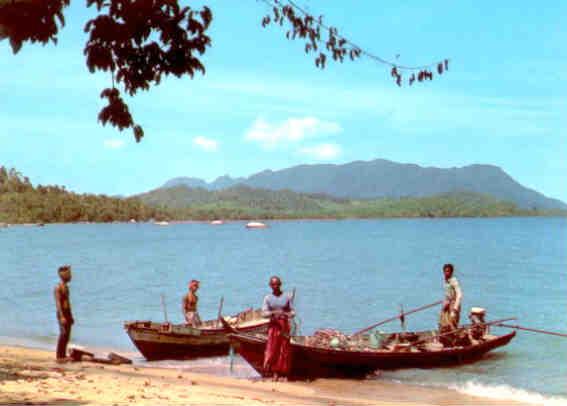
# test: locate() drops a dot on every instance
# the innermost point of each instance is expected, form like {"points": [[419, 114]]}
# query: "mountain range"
{"points": [[381, 178]]}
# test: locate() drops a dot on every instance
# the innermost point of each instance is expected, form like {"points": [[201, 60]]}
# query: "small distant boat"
{"points": [[256, 224], [132, 220], [161, 223], [217, 222], [157, 341]]}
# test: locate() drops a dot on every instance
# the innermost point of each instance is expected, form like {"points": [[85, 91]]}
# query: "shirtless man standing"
{"points": [[190, 305], [64, 314]]}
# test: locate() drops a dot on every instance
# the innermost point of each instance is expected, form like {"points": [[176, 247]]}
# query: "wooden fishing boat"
{"points": [[357, 359], [158, 341]]}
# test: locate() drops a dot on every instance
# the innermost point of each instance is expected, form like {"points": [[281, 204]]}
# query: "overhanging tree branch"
{"points": [[140, 41], [325, 40]]}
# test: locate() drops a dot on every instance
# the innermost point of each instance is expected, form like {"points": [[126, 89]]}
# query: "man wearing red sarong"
{"points": [[279, 308]]}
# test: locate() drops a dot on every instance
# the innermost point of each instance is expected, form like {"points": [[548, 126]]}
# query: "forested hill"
{"points": [[381, 178], [21, 202], [243, 202]]}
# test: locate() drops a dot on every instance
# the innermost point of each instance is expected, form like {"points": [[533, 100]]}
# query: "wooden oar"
{"points": [[295, 328], [164, 308], [232, 330], [402, 318], [533, 330], [220, 306], [403, 314]]}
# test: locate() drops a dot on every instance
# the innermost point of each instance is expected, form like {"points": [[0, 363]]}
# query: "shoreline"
{"points": [[280, 219], [31, 376]]}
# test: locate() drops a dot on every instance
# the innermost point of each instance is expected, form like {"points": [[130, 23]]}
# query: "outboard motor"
{"points": [[478, 329]]}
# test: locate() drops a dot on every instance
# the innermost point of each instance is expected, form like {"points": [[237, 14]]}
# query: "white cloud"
{"points": [[321, 152], [113, 143], [419, 110], [206, 144], [291, 131]]}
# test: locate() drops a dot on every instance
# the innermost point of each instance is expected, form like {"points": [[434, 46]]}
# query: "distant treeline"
{"points": [[21, 202], [243, 202]]}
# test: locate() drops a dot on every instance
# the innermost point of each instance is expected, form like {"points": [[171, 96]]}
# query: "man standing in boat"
{"points": [[64, 314], [190, 305], [278, 307], [451, 312]]}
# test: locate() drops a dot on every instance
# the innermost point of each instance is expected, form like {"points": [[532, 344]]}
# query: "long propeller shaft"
{"points": [[533, 330]]}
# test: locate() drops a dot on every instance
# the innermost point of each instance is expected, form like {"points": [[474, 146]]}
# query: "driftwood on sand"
{"points": [[79, 355]]}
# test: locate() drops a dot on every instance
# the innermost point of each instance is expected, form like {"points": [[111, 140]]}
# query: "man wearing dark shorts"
{"points": [[64, 314]]}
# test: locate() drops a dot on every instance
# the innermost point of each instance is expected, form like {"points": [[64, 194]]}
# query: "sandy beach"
{"points": [[31, 377]]}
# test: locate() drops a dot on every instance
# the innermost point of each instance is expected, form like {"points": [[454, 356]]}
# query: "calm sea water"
{"points": [[348, 274]]}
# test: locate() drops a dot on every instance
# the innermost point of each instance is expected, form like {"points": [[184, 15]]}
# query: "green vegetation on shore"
{"points": [[243, 202], [21, 202]]}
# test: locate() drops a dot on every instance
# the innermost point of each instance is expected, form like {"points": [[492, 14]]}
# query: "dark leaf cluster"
{"points": [[140, 41], [31, 20], [116, 111], [422, 74]]}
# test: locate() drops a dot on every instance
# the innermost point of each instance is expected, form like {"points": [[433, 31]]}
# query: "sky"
{"points": [[263, 104]]}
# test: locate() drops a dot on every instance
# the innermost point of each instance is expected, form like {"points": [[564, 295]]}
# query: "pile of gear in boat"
{"points": [[404, 341]]}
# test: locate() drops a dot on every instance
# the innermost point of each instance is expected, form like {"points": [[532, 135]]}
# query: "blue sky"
{"points": [[263, 105]]}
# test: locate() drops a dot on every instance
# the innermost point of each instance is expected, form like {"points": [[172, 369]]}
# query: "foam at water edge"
{"points": [[505, 392], [216, 366]]}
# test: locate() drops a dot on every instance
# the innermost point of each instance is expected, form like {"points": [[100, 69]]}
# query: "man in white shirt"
{"points": [[451, 311]]}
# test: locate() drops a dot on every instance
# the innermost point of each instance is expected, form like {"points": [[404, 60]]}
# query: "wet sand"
{"points": [[32, 377]]}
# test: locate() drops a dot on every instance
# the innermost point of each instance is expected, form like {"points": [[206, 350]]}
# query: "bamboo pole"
{"points": [[533, 330], [164, 308], [220, 306], [364, 330]]}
